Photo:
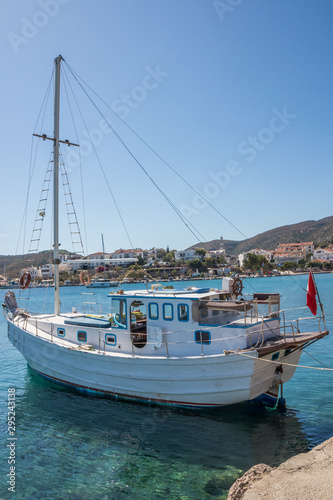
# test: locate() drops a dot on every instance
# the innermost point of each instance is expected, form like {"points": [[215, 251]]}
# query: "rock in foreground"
{"points": [[308, 476]]}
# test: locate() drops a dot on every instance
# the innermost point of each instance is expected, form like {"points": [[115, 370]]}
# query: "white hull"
{"points": [[93, 284], [196, 381]]}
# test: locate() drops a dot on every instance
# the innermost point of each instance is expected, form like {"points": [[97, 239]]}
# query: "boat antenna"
{"points": [[104, 256]]}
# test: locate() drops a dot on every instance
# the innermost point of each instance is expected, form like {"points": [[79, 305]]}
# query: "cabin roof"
{"points": [[191, 293]]}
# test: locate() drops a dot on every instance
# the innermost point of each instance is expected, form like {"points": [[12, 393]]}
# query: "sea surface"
{"points": [[73, 446]]}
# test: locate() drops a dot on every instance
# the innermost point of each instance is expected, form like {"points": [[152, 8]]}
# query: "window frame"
{"points": [[149, 311], [81, 331], [125, 309], [203, 342], [64, 334], [111, 343], [187, 312], [172, 316]]}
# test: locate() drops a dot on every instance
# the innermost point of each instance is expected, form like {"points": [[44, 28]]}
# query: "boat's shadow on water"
{"points": [[239, 435]]}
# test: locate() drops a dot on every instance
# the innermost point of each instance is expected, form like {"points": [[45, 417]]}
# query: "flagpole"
{"points": [[320, 303]]}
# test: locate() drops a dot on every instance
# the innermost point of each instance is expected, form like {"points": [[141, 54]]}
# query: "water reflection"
{"points": [[240, 436]]}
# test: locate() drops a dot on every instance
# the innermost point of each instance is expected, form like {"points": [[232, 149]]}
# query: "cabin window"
{"points": [[61, 332], [275, 356], [168, 312], [153, 310], [82, 336], [203, 313], [183, 312], [118, 313], [287, 351], [111, 339], [202, 337], [215, 312], [138, 324]]}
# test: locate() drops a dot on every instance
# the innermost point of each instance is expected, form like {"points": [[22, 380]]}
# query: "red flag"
{"points": [[311, 295]]}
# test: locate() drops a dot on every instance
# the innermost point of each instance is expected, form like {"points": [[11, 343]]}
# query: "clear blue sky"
{"points": [[235, 95]]}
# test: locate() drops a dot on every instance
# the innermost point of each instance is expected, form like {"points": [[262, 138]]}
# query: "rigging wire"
{"points": [[101, 166], [177, 211], [306, 352], [77, 77], [72, 217], [80, 167], [155, 152], [32, 162]]}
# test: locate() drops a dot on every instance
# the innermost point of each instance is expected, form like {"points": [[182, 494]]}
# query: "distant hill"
{"points": [[12, 264], [320, 232]]}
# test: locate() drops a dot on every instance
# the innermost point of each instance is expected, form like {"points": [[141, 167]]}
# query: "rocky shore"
{"points": [[308, 476]]}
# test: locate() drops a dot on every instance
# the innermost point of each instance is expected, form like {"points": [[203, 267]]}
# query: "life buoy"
{"points": [[85, 278], [25, 280], [237, 287]]}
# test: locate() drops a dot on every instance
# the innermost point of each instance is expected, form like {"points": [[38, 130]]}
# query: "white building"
{"points": [[301, 246], [220, 252], [281, 258], [186, 255], [255, 251], [325, 254], [123, 257], [33, 271], [47, 271]]}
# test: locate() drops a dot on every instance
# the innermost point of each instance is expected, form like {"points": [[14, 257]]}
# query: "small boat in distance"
{"points": [[100, 283], [189, 347]]}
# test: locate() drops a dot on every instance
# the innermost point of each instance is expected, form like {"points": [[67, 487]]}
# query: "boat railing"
{"points": [[251, 308], [248, 338], [90, 306]]}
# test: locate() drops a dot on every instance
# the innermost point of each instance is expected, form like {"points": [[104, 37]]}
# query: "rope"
{"points": [[80, 163], [101, 167], [158, 156], [140, 267], [306, 352], [232, 351], [185, 221], [3, 345]]}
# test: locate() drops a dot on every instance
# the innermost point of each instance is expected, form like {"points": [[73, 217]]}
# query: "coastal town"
{"points": [[136, 265]]}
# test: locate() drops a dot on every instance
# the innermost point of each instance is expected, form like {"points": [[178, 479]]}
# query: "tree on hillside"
{"points": [[160, 252], [140, 261], [288, 265], [168, 257], [201, 252], [197, 264], [256, 262]]}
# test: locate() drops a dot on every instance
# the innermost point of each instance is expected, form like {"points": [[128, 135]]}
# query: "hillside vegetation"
{"points": [[320, 232]]}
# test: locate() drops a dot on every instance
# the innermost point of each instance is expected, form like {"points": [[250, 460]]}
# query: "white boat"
{"points": [[188, 347], [99, 283]]}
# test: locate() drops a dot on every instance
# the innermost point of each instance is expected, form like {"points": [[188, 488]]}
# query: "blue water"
{"points": [[71, 446]]}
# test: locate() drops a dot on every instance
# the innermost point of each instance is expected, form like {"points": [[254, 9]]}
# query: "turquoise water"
{"points": [[71, 446]]}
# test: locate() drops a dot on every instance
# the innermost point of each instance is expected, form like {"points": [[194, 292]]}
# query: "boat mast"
{"points": [[56, 260], [104, 257]]}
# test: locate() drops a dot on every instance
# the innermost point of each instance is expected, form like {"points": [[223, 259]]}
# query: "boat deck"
{"points": [[289, 342]]}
